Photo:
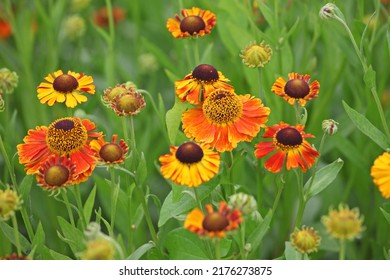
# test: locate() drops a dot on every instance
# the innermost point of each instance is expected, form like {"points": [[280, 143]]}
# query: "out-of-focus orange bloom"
{"points": [[5, 29], [100, 16]]}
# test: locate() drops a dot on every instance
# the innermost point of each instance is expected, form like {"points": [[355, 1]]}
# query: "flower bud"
{"points": [[8, 80], [256, 55], [243, 202], [329, 126], [9, 203]]}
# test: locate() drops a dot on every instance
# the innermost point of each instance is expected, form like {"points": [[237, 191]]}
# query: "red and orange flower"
{"points": [[68, 88], [296, 89], [225, 119], [68, 137], [110, 152], [213, 224], [289, 145], [196, 22], [196, 86], [5, 29]]}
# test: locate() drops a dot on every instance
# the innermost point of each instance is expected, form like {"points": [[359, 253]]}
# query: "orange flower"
{"points": [[296, 89], [380, 172], [110, 152], [290, 145], [213, 224], [67, 136], [196, 86], [190, 164], [195, 22], [225, 119], [5, 29], [100, 16]]}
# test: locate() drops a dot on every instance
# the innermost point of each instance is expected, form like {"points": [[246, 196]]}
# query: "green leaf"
{"points": [[172, 209], [388, 35], [39, 237], [370, 78], [291, 254], [71, 235], [385, 214], [259, 232], [173, 119], [267, 13], [9, 232], [365, 126], [58, 256], [89, 203], [137, 254], [141, 174], [25, 187], [185, 245], [323, 178]]}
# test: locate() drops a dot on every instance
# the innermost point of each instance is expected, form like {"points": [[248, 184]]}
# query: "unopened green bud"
{"points": [[329, 126]]}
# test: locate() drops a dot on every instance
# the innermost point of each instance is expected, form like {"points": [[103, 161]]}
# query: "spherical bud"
{"points": [[305, 240], [329, 126], [256, 55], [8, 80], [74, 27], [243, 202], [9, 203]]}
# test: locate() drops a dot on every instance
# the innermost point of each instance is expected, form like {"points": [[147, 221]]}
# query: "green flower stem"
{"points": [[114, 197], [217, 244], [365, 69], [197, 198], [124, 128], [196, 51], [133, 144], [77, 195], [302, 201], [16, 231], [11, 172], [68, 207], [342, 249], [243, 252], [190, 63], [280, 185], [261, 89]]}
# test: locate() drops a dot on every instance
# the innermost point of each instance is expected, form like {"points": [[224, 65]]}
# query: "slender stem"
{"points": [[190, 64], [280, 184], [132, 137], [124, 128], [114, 197], [243, 252], [261, 89], [302, 201], [342, 249], [16, 231], [217, 243], [77, 195], [196, 51], [68, 208], [197, 198]]}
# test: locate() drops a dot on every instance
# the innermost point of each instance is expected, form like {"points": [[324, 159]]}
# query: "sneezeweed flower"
{"points": [[305, 240], [57, 172], [99, 249], [68, 137], [8, 80], [111, 93], [5, 29], [329, 126], [380, 172], [128, 104], [110, 152], [331, 11], [9, 203], [343, 223], [100, 16], [195, 22], [256, 55], [190, 164], [244, 202], [68, 88], [74, 27], [225, 119], [290, 147], [213, 223], [296, 89], [196, 86]]}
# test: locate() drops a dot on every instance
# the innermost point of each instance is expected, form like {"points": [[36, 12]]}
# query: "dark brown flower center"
{"points": [[66, 135], [56, 175], [192, 24], [297, 88], [215, 222], [289, 137], [128, 103], [110, 152], [205, 73], [189, 152], [222, 107], [65, 83]]}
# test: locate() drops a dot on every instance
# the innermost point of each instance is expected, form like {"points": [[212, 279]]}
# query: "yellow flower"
{"points": [[99, 249], [305, 240], [380, 172], [256, 55], [9, 203], [343, 223], [68, 88]]}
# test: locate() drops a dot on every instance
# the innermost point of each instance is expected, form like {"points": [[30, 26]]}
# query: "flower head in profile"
{"points": [[343, 223], [225, 119], [213, 223], [110, 152], [297, 89], [196, 86], [190, 164], [68, 137], [195, 22], [57, 172], [305, 240], [9, 203], [68, 88], [256, 55], [289, 146], [380, 172]]}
